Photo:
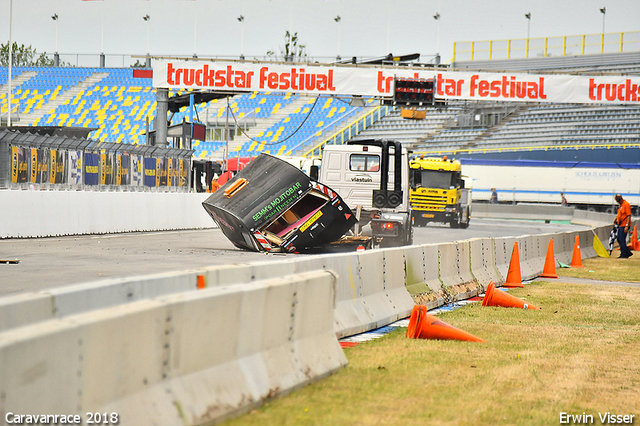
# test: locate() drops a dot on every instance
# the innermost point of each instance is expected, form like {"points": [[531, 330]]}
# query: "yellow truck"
{"points": [[438, 192]]}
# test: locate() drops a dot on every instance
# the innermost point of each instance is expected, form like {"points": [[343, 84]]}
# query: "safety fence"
{"points": [[584, 44], [146, 347], [62, 163]]}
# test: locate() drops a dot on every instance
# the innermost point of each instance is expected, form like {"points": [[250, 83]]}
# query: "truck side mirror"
{"points": [[314, 172], [461, 183]]}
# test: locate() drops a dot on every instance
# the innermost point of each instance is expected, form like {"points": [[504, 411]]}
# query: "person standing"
{"points": [[494, 196], [563, 199], [623, 220]]}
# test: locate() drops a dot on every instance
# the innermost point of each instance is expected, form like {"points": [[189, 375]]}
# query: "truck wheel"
{"points": [[409, 239], [455, 222], [465, 224]]}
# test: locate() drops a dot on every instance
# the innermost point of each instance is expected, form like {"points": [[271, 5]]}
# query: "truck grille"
{"points": [[428, 202]]}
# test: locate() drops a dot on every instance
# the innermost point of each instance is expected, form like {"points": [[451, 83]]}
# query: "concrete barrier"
{"points": [[26, 308], [482, 261], [23, 309], [455, 271], [524, 211], [161, 361], [54, 213], [594, 219], [503, 250], [586, 244], [422, 280], [370, 291], [532, 254]]}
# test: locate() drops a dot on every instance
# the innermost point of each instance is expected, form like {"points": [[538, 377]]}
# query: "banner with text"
{"points": [[370, 81]]}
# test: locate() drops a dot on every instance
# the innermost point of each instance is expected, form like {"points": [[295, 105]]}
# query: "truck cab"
{"points": [[439, 192], [372, 178]]}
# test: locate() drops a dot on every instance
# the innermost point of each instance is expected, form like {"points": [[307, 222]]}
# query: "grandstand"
{"points": [[121, 108], [482, 129], [119, 105]]}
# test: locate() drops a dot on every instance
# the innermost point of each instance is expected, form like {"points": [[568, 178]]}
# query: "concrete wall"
{"points": [[184, 359], [53, 213]]}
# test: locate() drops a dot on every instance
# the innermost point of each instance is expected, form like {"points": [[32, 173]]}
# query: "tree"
{"points": [[292, 52], [24, 56]]}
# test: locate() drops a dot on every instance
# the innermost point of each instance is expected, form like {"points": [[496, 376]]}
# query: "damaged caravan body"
{"points": [[271, 205]]}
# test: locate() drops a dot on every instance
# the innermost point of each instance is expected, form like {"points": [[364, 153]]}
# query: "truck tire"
{"points": [[455, 222], [465, 224], [409, 239]]}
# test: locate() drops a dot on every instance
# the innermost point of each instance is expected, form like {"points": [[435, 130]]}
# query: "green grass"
{"points": [[580, 353], [601, 268]]}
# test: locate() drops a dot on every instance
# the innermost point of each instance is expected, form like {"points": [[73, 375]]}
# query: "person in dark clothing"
{"points": [[623, 220]]}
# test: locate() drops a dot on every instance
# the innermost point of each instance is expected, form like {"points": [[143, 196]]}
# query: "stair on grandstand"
{"points": [[518, 110], [408, 131], [15, 83], [18, 80], [262, 124], [328, 133], [35, 116]]}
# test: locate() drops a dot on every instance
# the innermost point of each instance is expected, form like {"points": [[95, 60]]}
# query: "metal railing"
{"points": [[547, 46]]}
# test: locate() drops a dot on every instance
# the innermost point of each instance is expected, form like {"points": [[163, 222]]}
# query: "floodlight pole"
{"points": [[102, 61], [388, 25], [56, 56], [338, 19], [437, 18], [10, 61], [195, 30], [528, 16], [604, 15]]}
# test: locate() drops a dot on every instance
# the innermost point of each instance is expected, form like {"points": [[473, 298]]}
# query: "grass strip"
{"points": [[606, 268]]}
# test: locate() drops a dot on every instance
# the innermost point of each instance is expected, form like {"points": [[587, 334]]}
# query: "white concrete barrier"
{"points": [[27, 308], [185, 359], [532, 254], [524, 211], [503, 250], [482, 261], [422, 280], [370, 291], [586, 244], [583, 217], [455, 271], [54, 213]]}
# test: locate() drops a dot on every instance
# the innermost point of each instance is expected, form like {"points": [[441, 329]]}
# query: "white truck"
{"points": [[372, 177]]}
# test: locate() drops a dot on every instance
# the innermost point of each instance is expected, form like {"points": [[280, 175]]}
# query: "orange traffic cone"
{"points": [[495, 297], [549, 270], [425, 326], [514, 277], [576, 259], [634, 245], [201, 282]]}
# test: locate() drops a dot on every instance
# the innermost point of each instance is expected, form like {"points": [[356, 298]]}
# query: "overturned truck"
{"points": [[271, 205]]}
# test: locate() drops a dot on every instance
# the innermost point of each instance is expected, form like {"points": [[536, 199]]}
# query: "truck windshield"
{"points": [[433, 179]]}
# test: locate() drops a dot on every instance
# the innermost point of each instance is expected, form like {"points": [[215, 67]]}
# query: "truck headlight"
{"points": [[449, 209]]}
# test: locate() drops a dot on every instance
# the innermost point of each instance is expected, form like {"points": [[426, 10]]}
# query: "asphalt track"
{"points": [[55, 262]]}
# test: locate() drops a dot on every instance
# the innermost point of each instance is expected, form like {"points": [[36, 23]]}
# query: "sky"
{"points": [[367, 28]]}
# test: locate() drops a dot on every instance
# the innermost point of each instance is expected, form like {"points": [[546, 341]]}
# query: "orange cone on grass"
{"points": [[496, 297], [576, 259], [425, 326], [634, 244], [514, 277], [549, 270]]}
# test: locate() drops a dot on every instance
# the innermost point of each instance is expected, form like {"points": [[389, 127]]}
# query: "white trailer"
{"points": [[584, 184]]}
